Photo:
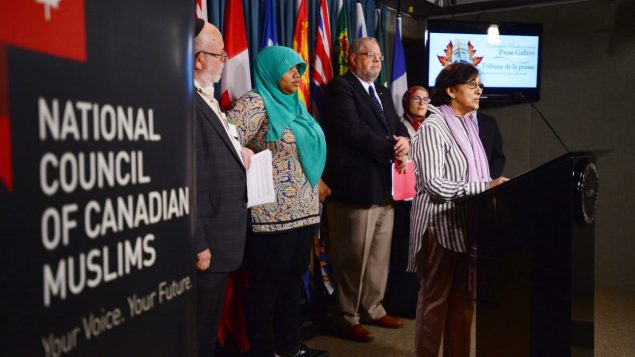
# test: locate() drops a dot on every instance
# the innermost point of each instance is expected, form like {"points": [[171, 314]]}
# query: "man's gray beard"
{"points": [[217, 76], [208, 78], [367, 76]]}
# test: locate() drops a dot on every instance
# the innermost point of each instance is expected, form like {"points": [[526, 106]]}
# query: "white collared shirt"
{"points": [[371, 84], [207, 94]]}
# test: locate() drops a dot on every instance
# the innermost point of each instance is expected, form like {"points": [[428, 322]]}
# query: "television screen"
{"points": [[508, 62]]}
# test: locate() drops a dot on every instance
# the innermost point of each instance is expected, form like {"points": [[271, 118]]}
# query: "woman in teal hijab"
{"points": [[280, 235], [285, 108]]}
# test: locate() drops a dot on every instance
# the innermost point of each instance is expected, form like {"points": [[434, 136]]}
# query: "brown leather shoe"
{"points": [[388, 321], [358, 333]]}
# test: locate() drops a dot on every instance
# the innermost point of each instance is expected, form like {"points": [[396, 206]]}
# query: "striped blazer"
{"points": [[441, 178]]}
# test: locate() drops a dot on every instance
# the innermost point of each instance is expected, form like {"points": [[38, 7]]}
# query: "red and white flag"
{"points": [[322, 71], [201, 9], [236, 78]]}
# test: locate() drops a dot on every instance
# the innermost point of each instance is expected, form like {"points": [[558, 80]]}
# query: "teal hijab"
{"points": [[287, 111]]}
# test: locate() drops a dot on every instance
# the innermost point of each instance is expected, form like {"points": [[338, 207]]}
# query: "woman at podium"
{"points": [[450, 163]]}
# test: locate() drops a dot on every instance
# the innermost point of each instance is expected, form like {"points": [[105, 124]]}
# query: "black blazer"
{"points": [[221, 192], [359, 146], [492, 143]]}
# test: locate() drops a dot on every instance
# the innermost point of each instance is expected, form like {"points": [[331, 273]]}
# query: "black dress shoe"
{"points": [[303, 350]]}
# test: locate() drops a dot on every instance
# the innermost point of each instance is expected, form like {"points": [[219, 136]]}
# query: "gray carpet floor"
{"points": [[614, 332]]}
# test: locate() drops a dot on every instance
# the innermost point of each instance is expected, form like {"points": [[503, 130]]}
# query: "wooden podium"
{"points": [[532, 240]]}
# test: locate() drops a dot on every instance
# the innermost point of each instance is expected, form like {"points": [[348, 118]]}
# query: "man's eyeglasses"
{"points": [[378, 56], [221, 56], [420, 100], [473, 85]]}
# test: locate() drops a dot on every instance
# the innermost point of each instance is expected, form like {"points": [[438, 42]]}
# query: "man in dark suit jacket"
{"points": [[363, 135], [492, 143], [221, 191]]}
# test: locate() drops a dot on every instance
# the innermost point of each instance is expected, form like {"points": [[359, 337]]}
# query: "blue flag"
{"points": [[361, 22], [269, 31], [399, 80]]}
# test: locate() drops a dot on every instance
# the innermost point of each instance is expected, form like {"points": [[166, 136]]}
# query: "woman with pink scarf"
{"points": [[450, 163]]}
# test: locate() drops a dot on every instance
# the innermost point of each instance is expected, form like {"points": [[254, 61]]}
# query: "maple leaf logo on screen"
{"points": [[447, 59], [459, 51], [471, 51], [48, 4]]}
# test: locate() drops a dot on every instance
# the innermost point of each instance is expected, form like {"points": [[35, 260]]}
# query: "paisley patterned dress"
{"points": [[297, 202]]}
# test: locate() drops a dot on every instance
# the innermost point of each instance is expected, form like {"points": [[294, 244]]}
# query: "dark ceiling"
{"points": [[425, 8]]}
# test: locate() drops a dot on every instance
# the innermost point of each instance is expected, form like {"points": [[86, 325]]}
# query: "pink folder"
{"points": [[403, 185]]}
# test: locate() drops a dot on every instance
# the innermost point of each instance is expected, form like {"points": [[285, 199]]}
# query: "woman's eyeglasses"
{"points": [[473, 85], [420, 100]]}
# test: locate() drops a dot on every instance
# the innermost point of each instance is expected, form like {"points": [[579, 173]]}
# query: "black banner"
{"points": [[96, 186]]}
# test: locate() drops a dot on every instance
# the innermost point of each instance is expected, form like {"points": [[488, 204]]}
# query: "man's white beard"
{"points": [[216, 78], [208, 78], [368, 75]]}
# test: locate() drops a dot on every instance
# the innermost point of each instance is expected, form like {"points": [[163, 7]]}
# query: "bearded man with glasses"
{"points": [[221, 191]]}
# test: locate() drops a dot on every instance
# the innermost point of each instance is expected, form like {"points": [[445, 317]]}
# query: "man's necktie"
{"points": [[377, 107]]}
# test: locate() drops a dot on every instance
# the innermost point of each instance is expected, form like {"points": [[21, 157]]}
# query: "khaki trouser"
{"points": [[360, 240]]}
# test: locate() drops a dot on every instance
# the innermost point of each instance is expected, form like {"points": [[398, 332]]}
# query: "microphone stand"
{"points": [[524, 99]]}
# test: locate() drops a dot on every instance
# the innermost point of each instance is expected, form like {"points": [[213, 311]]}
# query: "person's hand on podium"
{"points": [[497, 181]]}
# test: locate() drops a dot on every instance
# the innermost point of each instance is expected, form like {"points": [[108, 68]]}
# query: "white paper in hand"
{"points": [[260, 180]]}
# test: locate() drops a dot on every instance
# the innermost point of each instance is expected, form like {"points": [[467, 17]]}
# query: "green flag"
{"points": [[380, 35], [340, 47]]}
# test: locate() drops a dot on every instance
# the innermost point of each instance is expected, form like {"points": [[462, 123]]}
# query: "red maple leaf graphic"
{"points": [[447, 59], [471, 51]]}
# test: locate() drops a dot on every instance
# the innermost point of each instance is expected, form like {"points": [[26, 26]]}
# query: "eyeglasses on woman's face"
{"points": [[420, 100], [474, 84]]}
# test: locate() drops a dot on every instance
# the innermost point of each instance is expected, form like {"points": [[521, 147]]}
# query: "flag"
{"points": [[201, 9], [236, 78], [232, 320], [360, 27], [52, 27], [340, 47], [380, 35], [301, 45], [269, 32], [399, 80], [322, 72]]}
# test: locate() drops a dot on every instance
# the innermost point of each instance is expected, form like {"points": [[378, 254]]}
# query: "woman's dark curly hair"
{"points": [[451, 75]]}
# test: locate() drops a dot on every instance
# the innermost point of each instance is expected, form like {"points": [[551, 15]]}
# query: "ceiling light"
{"points": [[493, 36]]}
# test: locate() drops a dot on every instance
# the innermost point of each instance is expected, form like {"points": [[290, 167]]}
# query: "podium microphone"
{"points": [[521, 96]]}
